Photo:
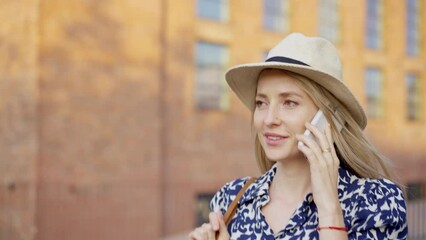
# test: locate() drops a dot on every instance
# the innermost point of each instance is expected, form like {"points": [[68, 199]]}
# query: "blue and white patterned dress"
{"points": [[372, 209]]}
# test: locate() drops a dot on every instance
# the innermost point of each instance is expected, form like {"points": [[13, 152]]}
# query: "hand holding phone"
{"points": [[320, 122]]}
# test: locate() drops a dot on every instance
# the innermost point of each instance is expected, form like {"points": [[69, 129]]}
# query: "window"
{"points": [[213, 9], [416, 209], [329, 20], [210, 90], [203, 208], [374, 24], [276, 15], [412, 41], [413, 96], [415, 191], [373, 89]]}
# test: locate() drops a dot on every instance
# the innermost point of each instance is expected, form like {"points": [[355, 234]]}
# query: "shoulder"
{"points": [[382, 188], [374, 205], [367, 192], [382, 198], [223, 198]]}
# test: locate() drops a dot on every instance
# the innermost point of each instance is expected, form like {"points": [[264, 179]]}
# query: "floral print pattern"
{"points": [[372, 209]]}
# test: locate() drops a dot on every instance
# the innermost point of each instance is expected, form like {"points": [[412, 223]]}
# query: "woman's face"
{"points": [[282, 109]]}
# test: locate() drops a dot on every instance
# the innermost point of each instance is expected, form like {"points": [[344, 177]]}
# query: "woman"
{"points": [[333, 186]]}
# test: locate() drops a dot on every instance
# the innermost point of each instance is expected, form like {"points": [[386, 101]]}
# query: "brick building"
{"points": [[116, 124]]}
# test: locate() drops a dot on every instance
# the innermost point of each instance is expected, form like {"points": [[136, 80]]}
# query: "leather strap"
{"points": [[233, 207]]}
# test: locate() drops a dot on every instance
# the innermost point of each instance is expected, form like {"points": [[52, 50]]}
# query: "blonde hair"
{"points": [[354, 150]]}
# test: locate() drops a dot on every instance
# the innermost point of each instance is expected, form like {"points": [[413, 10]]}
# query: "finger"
{"points": [[324, 144], [310, 148], [197, 234], [208, 231], [333, 156], [192, 236], [322, 139], [319, 163], [214, 221], [329, 135], [221, 220], [335, 160], [223, 231], [307, 151]]}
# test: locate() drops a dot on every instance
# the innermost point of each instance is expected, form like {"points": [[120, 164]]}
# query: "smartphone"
{"points": [[320, 122]]}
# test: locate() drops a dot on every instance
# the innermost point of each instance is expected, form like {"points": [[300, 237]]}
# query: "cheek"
{"points": [[295, 125], [257, 121]]}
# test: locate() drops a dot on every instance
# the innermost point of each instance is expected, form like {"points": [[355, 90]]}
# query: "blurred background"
{"points": [[116, 122]]}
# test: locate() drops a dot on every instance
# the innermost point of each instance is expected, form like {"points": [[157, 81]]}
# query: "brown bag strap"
{"points": [[233, 207]]}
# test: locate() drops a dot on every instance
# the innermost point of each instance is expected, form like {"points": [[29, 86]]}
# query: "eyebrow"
{"points": [[283, 94]]}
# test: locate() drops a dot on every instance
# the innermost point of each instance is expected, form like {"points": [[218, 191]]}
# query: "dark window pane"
{"points": [[415, 191], [203, 208]]}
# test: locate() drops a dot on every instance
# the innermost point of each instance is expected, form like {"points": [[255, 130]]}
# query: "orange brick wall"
{"points": [[99, 120], [18, 118], [100, 137]]}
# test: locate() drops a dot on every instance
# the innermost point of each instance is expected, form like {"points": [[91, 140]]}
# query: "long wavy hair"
{"points": [[354, 150]]}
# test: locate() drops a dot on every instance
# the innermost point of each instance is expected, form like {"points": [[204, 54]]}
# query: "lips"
{"points": [[274, 139]]}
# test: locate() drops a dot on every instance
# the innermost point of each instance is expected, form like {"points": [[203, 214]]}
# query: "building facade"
{"points": [[116, 122]]}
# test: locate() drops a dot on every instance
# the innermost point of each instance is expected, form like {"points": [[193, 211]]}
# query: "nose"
{"points": [[272, 116]]}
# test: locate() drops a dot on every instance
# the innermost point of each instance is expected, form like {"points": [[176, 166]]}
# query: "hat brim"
{"points": [[243, 81]]}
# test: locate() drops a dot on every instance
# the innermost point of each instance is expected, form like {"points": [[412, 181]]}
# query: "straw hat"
{"points": [[313, 57]]}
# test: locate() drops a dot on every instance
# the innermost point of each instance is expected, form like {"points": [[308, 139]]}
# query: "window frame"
{"points": [[201, 97], [410, 20], [418, 98], [280, 16], [202, 207], [375, 29], [378, 111], [327, 24]]}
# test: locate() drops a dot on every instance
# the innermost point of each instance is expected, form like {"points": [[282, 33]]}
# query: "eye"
{"points": [[260, 104], [290, 103]]}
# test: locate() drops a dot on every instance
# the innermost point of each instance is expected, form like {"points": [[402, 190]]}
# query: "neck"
{"points": [[292, 180]]}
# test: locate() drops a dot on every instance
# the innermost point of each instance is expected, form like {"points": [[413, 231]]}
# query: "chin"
{"points": [[276, 157]]}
